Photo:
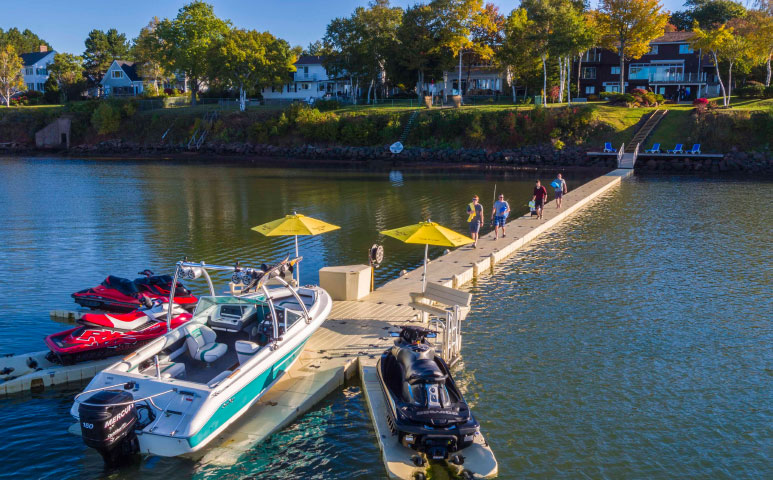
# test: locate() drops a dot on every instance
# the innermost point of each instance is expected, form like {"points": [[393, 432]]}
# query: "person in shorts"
{"points": [[499, 215], [475, 218], [559, 189], [540, 195]]}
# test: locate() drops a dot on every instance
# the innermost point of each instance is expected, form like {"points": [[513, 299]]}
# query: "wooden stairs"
{"points": [[645, 130], [408, 126]]}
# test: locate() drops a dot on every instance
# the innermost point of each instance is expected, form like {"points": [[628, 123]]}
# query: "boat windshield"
{"points": [[207, 304]]}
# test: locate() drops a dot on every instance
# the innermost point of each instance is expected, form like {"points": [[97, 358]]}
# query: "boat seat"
{"points": [[245, 350], [424, 371], [173, 370], [201, 343]]}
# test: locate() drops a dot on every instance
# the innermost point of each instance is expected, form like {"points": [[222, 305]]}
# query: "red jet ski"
{"points": [[103, 335], [118, 294]]}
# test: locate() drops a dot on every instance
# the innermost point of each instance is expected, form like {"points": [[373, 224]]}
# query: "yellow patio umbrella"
{"points": [[428, 233], [295, 224]]}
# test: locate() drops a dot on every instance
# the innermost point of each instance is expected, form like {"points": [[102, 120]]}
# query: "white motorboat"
{"points": [[174, 395]]}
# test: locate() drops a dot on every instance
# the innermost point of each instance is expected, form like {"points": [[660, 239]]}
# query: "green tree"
{"points": [[573, 34], [188, 38], [67, 69], [101, 49], [486, 35], [250, 60], [455, 20], [343, 40], [106, 119], [758, 28], [517, 53], [315, 48], [708, 13], [148, 52], [22, 42], [714, 41], [628, 27], [542, 16], [52, 93], [11, 78], [417, 53]]}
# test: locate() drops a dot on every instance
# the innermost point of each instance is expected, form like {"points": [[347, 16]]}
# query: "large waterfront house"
{"points": [[121, 79], [671, 68], [35, 68], [310, 81]]}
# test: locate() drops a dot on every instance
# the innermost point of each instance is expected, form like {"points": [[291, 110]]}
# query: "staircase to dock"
{"points": [[198, 137], [644, 132], [408, 126]]}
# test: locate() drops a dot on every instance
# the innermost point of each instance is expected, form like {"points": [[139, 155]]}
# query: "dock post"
{"points": [[493, 260]]}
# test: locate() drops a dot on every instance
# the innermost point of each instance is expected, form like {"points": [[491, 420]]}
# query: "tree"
{"points": [[714, 42], [251, 60], [101, 49], [454, 23], [22, 42], [758, 28], [708, 13], [148, 52], [542, 16], [11, 77], [316, 48], [189, 37], [517, 54], [52, 94], [573, 34], [67, 69], [628, 27], [417, 54], [486, 34]]}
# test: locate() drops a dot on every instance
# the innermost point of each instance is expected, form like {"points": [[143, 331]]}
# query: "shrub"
{"points": [[106, 119], [327, 105], [769, 92], [593, 98], [751, 89], [53, 94]]}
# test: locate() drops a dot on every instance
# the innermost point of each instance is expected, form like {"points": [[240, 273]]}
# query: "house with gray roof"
{"points": [[122, 79], [35, 69]]}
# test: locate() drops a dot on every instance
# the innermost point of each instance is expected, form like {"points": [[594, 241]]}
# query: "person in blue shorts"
{"points": [[499, 214], [559, 186]]}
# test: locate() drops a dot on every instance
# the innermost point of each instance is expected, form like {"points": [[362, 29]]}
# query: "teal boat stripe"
{"points": [[201, 355], [244, 396]]}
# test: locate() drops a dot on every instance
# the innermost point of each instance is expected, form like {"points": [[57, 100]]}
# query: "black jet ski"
{"points": [[425, 408]]}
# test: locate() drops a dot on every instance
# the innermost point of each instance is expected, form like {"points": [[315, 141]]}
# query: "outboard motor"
{"points": [[107, 421]]}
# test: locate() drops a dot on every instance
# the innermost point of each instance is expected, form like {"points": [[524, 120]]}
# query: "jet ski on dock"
{"points": [[116, 294], [424, 406]]}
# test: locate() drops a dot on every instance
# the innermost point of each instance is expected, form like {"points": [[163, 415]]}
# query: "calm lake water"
{"points": [[634, 341]]}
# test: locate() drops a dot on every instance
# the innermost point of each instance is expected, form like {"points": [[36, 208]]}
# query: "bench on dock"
{"points": [[438, 300]]}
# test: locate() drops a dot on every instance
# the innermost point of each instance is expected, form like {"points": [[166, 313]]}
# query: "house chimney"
{"points": [[43, 48]]}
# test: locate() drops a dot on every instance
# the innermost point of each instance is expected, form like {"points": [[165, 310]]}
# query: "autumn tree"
{"points": [[11, 78], [250, 60], [148, 51], [101, 49], [486, 35], [628, 27], [417, 54], [707, 13], [188, 38], [758, 28], [455, 21]]}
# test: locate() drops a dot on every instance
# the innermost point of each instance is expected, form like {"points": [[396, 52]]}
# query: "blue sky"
{"points": [[65, 24]]}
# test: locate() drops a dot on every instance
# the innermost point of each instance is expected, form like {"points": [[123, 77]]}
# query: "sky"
{"points": [[66, 24]]}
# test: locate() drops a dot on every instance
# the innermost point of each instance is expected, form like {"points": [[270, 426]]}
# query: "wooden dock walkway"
{"points": [[357, 332]]}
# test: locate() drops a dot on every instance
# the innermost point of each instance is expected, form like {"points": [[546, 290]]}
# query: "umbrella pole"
{"points": [[297, 265], [424, 277]]}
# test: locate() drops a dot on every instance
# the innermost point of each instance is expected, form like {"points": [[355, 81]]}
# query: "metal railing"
{"points": [[675, 77], [620, 155], [450, 334]]}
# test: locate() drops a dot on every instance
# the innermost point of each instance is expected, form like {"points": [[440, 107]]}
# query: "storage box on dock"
{"points": [[348, 282]]}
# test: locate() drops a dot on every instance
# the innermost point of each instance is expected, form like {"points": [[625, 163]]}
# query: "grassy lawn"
{"points": [[28, 108]]}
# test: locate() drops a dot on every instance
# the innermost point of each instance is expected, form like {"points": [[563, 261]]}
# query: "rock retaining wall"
{"points": [[732, 162]]}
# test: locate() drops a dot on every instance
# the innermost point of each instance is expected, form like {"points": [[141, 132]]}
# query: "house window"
{"points": [[29, 71], [615, 71], [41, 71], [589, 73], [30, 86], [117, 74], [590, 89], [321, 87], [613, 86], [305, 70], [592, 55], [653, 50], [305, 86], [684, 48], [40, 87]]}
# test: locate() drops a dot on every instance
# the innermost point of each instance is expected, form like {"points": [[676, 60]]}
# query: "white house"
{"points": [[309, 81], [35, 68], [121, 79]]}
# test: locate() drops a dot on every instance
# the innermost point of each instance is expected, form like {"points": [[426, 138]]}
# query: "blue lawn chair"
{"points": [[679, 148], [696, 148], [655, 149], [608, 148]]}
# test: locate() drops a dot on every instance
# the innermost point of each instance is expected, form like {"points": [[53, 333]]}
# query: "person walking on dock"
{"points": [[540, 195], [475, 218], [559, 185], [499, 214]]}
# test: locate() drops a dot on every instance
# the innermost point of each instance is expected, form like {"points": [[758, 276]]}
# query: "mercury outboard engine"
{"points": [[426, 409], [107, 421]]}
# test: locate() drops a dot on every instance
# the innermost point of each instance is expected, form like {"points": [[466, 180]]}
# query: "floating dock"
{"points": [[357, 332]]}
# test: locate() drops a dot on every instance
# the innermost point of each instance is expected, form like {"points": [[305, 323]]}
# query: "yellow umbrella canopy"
{"points": [[295, 224], [428, 233]]}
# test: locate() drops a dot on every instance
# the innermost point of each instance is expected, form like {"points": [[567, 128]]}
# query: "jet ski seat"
{"points": [[201, 343], [424, 371]]}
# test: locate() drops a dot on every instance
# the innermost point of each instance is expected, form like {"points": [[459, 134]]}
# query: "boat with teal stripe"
{"points": [[175, 395]]}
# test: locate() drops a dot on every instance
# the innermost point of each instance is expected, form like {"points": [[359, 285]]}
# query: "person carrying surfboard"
{"points": [[499, 214], [475, 219], [559, 186]]}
